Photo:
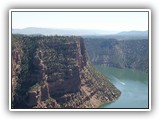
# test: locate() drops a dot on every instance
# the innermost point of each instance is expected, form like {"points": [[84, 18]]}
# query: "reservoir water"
{"points": [[133, 85]]}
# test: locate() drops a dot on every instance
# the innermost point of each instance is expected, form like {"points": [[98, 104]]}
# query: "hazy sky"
{"points": [[110, 21]]}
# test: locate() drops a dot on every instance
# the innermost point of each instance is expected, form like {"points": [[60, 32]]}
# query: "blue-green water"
{"points": [[133, 85]]}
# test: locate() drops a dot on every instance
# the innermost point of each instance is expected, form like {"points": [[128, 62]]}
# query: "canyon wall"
{"points": [[55, 72], [133, 54]]}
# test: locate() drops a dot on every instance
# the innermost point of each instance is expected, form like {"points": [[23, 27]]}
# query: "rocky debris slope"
{"points": [[54, 72]]}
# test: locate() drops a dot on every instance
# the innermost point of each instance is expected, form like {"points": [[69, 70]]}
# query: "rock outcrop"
{"points": [[54, 72], [16, 63]]}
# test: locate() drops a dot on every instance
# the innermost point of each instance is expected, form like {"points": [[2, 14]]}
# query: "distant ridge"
{"points": [[124, 35], [129, 33], [50, 31]]}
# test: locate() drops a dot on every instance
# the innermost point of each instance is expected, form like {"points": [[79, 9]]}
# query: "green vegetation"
{"points": [[35, 87]]}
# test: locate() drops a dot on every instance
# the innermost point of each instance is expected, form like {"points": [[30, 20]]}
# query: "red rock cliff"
{"points": [[56, 73]]}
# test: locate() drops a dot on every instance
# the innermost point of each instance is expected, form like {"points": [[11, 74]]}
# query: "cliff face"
{"points": [[54, 72], [121, 54]]}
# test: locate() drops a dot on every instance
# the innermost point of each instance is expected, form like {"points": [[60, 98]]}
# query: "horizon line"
{"points": [[81, 29]]}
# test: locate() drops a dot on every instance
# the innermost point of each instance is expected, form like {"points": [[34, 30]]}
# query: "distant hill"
{"points": [[49, 31], [125, 35], [133, 33], [86, 33]]}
